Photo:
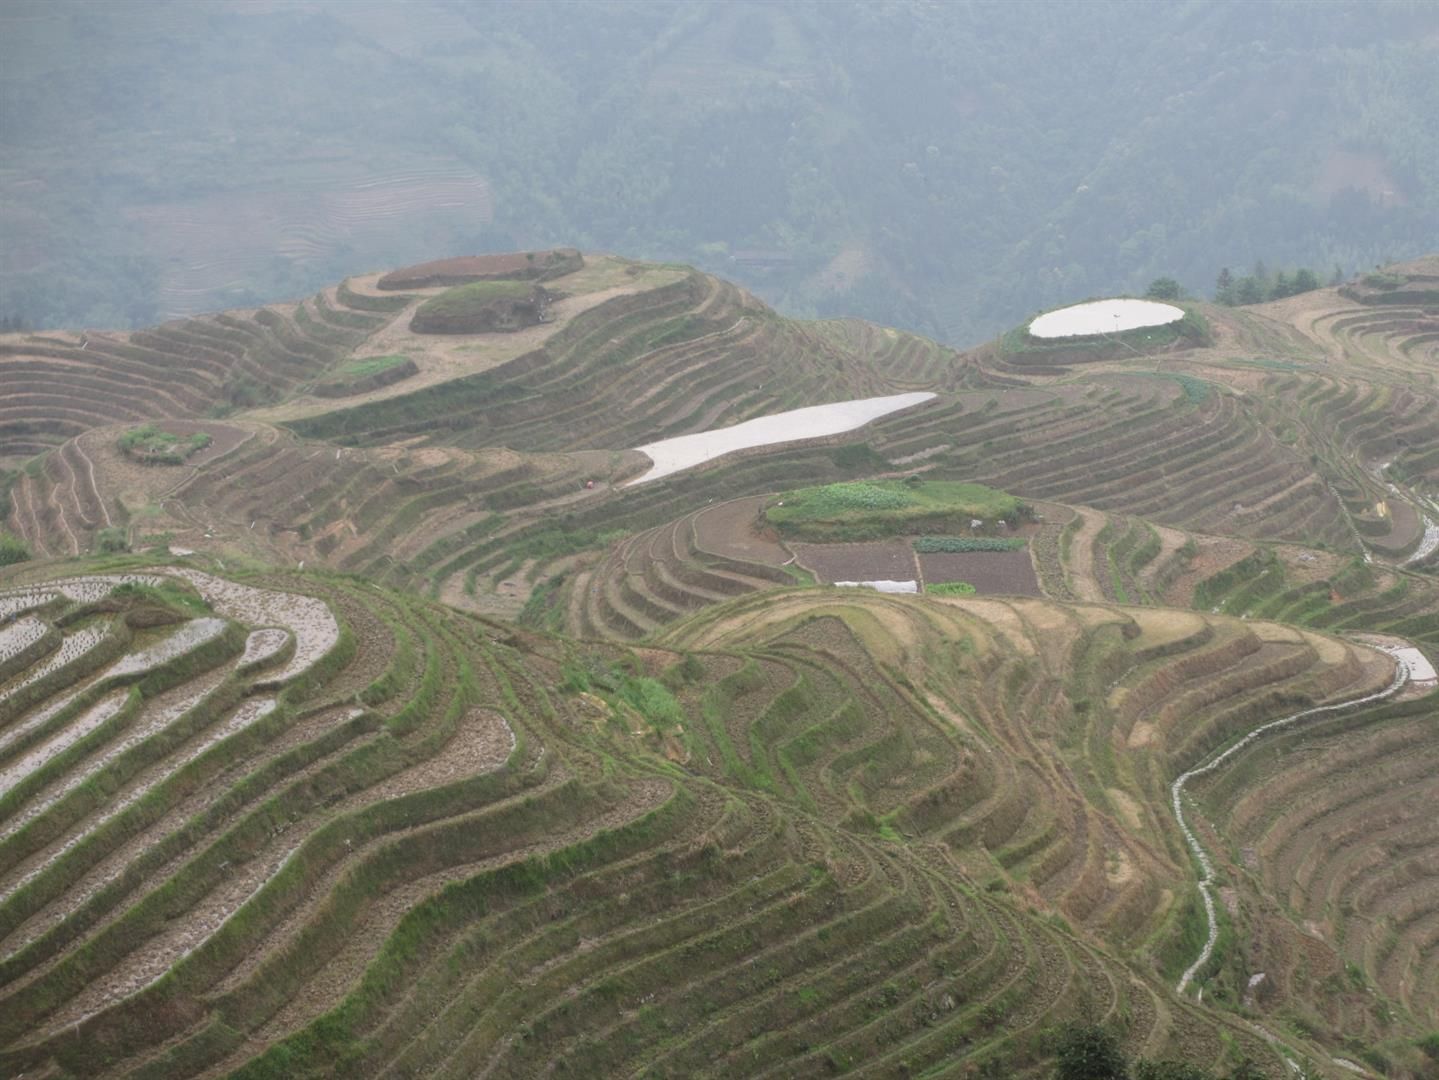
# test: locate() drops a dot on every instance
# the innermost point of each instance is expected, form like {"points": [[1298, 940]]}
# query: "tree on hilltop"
{"points": [[1224, 287], [1165, 288]]}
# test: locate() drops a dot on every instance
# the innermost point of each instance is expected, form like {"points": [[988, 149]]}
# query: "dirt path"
{"points": [[1081, 557]]}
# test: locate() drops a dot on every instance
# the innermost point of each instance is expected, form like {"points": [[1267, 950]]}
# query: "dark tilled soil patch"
{"points": [[990, 572], [886, 560]]}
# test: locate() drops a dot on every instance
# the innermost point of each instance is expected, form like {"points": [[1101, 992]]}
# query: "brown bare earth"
{"points": [[1081, 557], [992, 573], [732, 529], [887, 560]]}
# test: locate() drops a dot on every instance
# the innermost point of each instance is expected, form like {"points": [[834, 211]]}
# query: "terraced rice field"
{"points": [[279, 822], [410, 843]]}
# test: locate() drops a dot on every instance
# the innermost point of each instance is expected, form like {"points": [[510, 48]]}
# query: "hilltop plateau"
{"points": [[367, 708]]}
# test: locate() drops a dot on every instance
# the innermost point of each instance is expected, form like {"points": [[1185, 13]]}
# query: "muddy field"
{"points": [[891, 560], [992, 573]]}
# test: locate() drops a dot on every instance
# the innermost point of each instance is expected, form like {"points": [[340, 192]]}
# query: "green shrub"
{"points": [[111, 540], [651, 700], [12, 549], [370, 365], [950, 588]]}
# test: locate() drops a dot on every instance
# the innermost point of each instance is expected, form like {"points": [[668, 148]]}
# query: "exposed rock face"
{"points": [[512, 266]]}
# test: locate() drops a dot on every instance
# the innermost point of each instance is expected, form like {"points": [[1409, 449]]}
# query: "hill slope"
{"points": [[368, 830], [265, 820]]}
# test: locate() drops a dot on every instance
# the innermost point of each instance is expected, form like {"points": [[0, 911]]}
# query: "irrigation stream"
{"points": [[1206, 880]]}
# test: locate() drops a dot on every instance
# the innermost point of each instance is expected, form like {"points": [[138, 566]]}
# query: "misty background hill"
{"points": [[948, 168]]}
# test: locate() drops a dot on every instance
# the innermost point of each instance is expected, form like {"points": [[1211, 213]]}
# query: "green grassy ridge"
{"points": [[370, 365], [466, 299], [874, 508]]}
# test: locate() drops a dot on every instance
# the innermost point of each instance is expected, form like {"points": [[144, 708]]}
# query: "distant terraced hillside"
{"points": [[60, 385], [889, 834], [278, 824]]}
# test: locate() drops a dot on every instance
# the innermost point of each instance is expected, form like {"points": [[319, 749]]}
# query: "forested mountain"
{"points": [[947, 167]]}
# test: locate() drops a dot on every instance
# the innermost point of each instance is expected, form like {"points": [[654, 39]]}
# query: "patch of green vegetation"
{"points": [[466, 299], [369, 365], [112, 540], [875, 508], [1196, 391], [929, 545], [858, 457], [148, 443], [950, 588], [620, 689], [12, 549]]}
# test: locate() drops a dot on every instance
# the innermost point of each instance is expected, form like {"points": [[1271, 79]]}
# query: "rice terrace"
{"points": [[560, 664]]}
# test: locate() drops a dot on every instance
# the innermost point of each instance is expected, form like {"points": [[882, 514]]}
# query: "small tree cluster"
{"points": [[1259, 286]]}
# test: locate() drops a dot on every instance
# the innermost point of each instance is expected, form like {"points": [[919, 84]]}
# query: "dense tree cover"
{"points": [[950, 168]]}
